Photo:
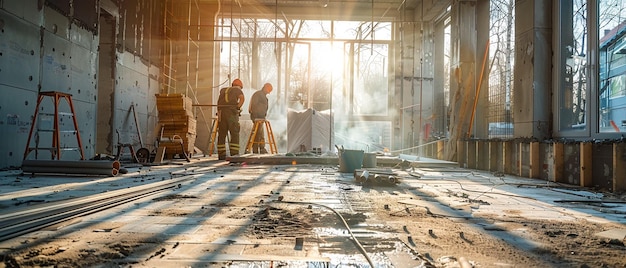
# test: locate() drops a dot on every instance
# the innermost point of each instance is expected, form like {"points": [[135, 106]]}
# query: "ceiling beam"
{"points": [[313, 10]]}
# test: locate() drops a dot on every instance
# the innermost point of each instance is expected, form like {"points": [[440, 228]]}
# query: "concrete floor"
{"points": [[272, 211]]}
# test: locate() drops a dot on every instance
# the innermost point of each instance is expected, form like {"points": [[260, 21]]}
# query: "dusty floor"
{"points": [[243, 215]]}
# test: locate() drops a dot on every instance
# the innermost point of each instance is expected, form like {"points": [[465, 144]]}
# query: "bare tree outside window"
{"points": [[502, 56]]}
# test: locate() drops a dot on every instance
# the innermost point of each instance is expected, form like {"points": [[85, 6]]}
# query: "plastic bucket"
{"points": [[369, 160], [350, 160]]}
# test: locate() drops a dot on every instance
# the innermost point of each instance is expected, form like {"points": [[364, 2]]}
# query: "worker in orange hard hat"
{"points": [[229, 105], [237, 83], [258, 111]]}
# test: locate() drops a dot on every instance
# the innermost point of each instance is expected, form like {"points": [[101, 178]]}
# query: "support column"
{"points": [[480, 127], [209, 54], [463, 71], [533, 82]]}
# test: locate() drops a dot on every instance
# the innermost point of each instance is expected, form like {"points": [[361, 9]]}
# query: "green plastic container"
{"points": [[350, 160]]}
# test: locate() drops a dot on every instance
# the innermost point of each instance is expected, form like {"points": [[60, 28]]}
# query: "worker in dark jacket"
{"points": [[258, 110], [229, 105]]}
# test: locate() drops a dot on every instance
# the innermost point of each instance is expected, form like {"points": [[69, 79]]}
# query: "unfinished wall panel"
{"points": [[619, 167], [496, 156], [19, 72], [602, 166], [571, 165], [509, 157], [523, 159], [132, 88], [19, 58], [556, 168], [516, 158], [83, 73], [472, 154], [16, 110], [545, 160], [483, 155], [586, 164], [24, 9]]}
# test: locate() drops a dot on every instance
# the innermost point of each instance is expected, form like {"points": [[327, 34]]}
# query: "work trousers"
{"points": [[228, 123], [258, 144]]}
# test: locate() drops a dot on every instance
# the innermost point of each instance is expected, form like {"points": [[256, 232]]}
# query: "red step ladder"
{"points": [[55, 149]]}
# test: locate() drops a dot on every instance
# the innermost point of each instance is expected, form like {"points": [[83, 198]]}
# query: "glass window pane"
{"points": [[382, 30], [267, 29], [612, 88], [572, 101], [352, 30], [315, 29], [370, 79]]}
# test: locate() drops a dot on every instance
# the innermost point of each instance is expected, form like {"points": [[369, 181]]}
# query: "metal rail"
{"points": [[23, 221]]}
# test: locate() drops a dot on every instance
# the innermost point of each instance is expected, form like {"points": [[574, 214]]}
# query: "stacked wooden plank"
{"points": [[176, 122]]}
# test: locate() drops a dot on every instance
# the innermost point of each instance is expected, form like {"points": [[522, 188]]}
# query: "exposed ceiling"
{"points": [[383, 10]]}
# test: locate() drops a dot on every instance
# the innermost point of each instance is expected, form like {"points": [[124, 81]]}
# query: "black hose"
{"points": [[356, 242]]}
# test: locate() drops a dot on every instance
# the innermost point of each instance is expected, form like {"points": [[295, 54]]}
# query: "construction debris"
{"points": [[376, 177]]}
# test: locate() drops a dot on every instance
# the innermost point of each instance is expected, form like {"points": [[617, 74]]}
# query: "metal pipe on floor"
{"points": [[97, 164], [71, 170]]}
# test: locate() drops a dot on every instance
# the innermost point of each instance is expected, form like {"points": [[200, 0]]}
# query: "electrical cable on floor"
{"points": [[547, 186], [356, 242], [480, 192]]}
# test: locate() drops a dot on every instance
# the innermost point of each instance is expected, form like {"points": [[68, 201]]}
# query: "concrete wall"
{"points": [[43, 49]]}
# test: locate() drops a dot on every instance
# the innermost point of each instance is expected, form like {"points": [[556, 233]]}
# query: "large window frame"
{"points": [[591, 129], [345, 91]]}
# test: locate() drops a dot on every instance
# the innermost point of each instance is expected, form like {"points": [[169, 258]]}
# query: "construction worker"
{"points": [[229, 105], [258, 110]]}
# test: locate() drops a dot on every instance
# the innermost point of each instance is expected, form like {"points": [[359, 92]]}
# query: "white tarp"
{"points": [[308, 129]]}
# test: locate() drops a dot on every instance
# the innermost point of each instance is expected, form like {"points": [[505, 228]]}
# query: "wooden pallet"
{"points": [[176, 124]]}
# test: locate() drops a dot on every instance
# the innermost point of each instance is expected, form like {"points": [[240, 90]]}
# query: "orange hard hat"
{"points": [[237, 83], [268, 87]]}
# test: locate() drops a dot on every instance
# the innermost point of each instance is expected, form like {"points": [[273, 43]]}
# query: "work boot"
{"points": [[263, 151]]}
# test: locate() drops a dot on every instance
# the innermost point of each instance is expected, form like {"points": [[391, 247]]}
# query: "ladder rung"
{"points": [[52, 148], [60, 113], [60, 131]]}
